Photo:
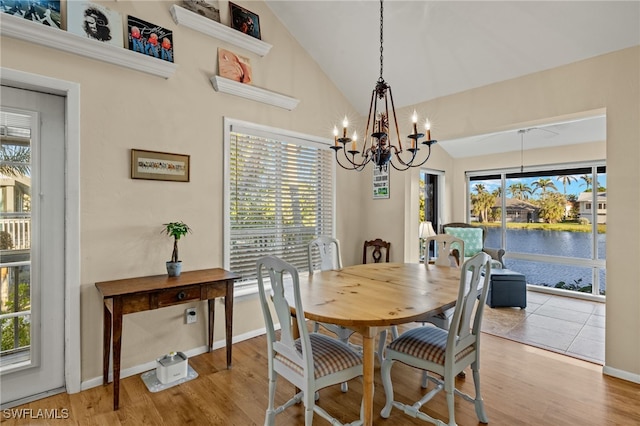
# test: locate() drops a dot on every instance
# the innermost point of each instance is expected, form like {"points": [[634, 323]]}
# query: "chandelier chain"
{"points": [[381, 38]]}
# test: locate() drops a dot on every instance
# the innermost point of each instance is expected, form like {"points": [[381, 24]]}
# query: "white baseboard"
{"points": [[141, 368], [621, 374]]}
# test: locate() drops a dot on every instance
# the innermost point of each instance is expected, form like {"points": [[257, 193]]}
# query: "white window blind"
{"points": [[280, 197]]}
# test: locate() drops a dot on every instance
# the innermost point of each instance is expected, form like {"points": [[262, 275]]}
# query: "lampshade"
{"points": [[426, 230]]}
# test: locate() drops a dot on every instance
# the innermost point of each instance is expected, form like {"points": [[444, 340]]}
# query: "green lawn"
{"points": [[562, 226]]}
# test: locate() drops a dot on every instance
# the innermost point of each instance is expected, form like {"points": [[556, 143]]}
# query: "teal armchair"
{"points": [[474, 238]]}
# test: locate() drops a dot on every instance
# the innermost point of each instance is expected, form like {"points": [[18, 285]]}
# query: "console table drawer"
{"points": [[176, 296]]}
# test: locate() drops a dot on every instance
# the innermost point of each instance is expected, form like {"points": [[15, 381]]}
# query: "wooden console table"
{"points": [[144, 293]]}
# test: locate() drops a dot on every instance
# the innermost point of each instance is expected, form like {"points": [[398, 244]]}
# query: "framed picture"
{"points": [[150, 39], [207, 8], [95, 22], [244, 20], [154, 165], [380, 183], [46, 12], [233, 66]]}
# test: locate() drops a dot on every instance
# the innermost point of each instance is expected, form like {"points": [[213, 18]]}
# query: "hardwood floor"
{"points": [[521, 385]]}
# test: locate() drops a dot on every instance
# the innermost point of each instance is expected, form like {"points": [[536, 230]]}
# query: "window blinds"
{"points": [[280, 198]]}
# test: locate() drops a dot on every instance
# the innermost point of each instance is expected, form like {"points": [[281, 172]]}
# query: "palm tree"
{"points": [[587, 181], [480, 188], [15, 160], [543, 184], [520, 191], [566, 180]]}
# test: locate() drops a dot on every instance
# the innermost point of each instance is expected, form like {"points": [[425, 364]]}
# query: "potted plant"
{"points": [[175, 230]]}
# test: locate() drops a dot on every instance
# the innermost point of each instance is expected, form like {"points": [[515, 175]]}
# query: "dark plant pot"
{"points": [[174, 268]]}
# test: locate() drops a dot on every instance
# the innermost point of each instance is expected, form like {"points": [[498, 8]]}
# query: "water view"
{"points": [[553, 243]]}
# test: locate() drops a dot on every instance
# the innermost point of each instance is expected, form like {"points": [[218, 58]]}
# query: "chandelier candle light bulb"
{"points": [[345, 123], [335, 136], [427, 128], [354, 143]]}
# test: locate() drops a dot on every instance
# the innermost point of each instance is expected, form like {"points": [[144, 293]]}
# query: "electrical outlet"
{"points": [[191, 315]]}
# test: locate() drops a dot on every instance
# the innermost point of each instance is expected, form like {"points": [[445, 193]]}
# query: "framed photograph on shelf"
{"points": [[244, 20], [47, 12], [95, 22], [150, 39], [233, 66], [207, 8], [154, 165]]}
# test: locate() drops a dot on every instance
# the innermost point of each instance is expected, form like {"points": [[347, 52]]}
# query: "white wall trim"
{"points": [[71, 92], [141, 368], [621, 374]]}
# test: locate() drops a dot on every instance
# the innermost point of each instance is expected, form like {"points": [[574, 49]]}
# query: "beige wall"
{"points": [[608, 83], [121, 218]]}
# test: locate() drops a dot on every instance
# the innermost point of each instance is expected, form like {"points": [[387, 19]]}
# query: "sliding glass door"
{"points": [[551, 222]]}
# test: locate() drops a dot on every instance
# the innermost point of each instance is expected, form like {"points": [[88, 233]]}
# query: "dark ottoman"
{"points": [[507, 288]]}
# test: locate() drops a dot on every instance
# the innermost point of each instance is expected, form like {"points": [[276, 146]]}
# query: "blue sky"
{"points": [[576, 187]]}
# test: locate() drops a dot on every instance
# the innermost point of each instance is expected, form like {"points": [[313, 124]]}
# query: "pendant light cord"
{"points": [[381, 39]]}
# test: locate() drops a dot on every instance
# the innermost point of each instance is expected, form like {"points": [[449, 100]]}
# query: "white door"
{"points": [[32, 229]]}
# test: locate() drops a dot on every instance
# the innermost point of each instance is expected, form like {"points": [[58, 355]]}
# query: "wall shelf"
{"points": [[182, 16], [224, 85], [33, 32]]}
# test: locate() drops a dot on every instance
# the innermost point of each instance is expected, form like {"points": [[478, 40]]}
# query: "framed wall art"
{"points": [[95, 22], [46, 12], [234, 67], [244, 20], [154, 165], [380, 183], [207, 8], [150, 39]]}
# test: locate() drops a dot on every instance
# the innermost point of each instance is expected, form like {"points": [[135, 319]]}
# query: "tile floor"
{"points": [[560, 324]]}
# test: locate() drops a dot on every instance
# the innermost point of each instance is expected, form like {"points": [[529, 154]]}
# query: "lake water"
{"points": [[553, 243]]}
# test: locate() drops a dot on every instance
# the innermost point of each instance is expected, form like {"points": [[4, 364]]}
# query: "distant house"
{"points": [[585, 202], [518, 210]]}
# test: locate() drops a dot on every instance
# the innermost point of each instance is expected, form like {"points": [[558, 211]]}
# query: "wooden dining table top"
{"points": [[379, 294]]}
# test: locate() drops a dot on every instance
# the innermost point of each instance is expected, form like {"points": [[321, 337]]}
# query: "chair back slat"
{"points": [[278, 270], [324, 254], [444, 243], [378, 246], [472, 295]]}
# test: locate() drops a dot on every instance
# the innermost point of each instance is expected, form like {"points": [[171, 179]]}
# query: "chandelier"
{"points": [[379, 147]]}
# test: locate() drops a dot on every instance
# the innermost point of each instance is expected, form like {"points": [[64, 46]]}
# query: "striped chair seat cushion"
{"points": [[428, 343], [329, 356]]}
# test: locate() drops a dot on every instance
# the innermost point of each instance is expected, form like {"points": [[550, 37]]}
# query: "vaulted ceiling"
{"points": [[437, 48]]}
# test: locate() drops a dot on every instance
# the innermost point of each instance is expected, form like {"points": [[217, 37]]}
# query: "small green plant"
{"points": [[176, 230]]}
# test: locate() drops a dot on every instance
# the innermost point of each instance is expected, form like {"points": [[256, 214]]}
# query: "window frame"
{"points": [[234, 125], [595, 262]]}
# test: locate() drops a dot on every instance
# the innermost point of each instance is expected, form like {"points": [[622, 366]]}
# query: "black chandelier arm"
{"points": [[410, 163], [395, 119], [354, 166]]}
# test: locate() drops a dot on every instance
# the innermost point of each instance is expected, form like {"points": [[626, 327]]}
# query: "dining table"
{"points": [[369, 297]]}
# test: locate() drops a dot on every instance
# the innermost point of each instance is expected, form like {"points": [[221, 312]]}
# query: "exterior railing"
{"points": [[19, 229]]}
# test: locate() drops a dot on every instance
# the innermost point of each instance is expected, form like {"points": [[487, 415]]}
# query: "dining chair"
{"points": [[445, 352], [376, 254], [444, 244], [328, 249], [311, 362], [328, 257]]}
